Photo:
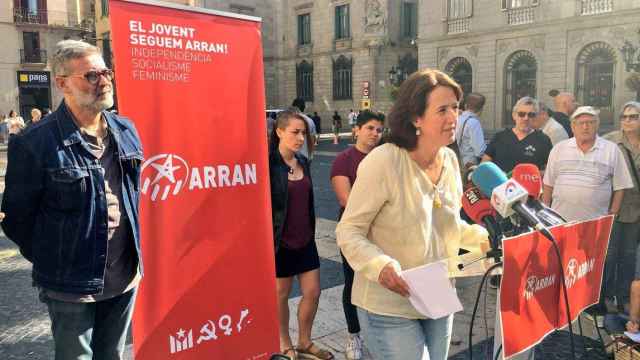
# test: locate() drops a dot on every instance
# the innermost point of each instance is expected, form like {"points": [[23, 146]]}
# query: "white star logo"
{"points": [[180, 333], [165, 170]]}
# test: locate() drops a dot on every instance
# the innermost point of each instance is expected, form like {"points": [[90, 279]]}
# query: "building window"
{"points": [[31, 52], [30, 11], [521, 71], [458, 14], [593, 7], [595, 72], [460, 70], [342, 22], [106, 50], [459, 9], [516, 4], [304, 29], [104, 7], [342, 78], [304, 80], [409, 20]]}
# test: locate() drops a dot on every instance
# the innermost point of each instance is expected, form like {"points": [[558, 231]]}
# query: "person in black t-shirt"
{"points": [[520, 144], [564, 104]]}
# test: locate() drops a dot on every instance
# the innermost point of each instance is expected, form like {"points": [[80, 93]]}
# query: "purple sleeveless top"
{"points": [[297, 226]]}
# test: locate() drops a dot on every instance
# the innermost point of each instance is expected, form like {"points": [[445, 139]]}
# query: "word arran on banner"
{"points": [[577, 271], [166, 174]]}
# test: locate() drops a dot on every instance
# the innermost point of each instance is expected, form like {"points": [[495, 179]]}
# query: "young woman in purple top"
{"points": [[294, 231], [368, 131]]}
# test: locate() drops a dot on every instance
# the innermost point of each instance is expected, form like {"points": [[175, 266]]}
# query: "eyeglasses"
{"points": [[630, 117], [93, 76], [530, 114]]}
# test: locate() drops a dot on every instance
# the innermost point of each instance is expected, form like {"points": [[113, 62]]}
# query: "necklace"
{"points": [[290, 170]]}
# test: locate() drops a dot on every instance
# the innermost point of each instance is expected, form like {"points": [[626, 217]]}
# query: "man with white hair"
{"points": [[71, 205], [586, 175], [548, 125]]}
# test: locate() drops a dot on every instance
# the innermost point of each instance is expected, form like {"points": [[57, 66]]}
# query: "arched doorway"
{"points": [[595, 71], [460, 70], [521, 70]]}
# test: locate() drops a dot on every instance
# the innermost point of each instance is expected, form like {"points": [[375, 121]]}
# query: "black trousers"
{"points": [[350, 312]]}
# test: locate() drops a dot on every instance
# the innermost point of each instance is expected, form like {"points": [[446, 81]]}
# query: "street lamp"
{"points": [[397, 75]]}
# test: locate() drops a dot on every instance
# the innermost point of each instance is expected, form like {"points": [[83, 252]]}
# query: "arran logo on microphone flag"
{"points": [[531, 296], [192, 80]]}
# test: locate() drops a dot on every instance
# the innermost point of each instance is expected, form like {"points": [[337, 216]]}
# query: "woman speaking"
{"points": [[404, 212]]}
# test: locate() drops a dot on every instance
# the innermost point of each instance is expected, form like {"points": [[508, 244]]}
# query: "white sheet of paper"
{"points": [[633, 336], [431, 291]]}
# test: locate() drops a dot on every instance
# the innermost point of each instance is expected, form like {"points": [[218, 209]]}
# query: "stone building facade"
{"points": [[510, 48], [329, 51], [29, 30]]}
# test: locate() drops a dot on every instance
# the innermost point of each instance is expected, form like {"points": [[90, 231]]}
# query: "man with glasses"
{"points": [[586, 175], [522, 143], [71, 204]]}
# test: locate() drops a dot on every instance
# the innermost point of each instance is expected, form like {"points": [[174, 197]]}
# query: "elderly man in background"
{"points": [[469, 135], [549, 125], [564, 104], [586, 175]]}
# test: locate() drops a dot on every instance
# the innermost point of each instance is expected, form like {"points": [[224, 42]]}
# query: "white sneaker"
{"points": [[354, 347]]}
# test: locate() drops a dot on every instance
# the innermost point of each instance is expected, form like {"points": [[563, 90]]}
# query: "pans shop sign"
{"points": [[33, 79]]}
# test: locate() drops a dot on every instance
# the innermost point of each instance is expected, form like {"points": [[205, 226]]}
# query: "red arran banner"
{"points": [[531, 297], [193, 84]]}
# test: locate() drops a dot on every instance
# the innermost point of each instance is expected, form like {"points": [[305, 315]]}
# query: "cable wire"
{"points": [[475, 306], [548, 235]]}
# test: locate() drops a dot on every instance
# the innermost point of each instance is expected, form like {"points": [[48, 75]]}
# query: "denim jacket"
{"points": [[55, 201], [279, 178]]}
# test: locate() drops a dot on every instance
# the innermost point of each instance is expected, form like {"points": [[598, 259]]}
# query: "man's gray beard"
{"points": [[87, 101]]}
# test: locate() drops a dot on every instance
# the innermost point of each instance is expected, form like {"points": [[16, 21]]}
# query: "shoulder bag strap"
{"points": [[633, 165]]}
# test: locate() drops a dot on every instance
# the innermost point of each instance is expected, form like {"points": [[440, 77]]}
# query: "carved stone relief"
{"points": [[503, 46], [375, 19], [442, 54], [473, 50]]}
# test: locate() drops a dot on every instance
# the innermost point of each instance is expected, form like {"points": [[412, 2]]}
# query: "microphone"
{"points": [[479, 209], [487, 176], [528, 175], [507, 195]]}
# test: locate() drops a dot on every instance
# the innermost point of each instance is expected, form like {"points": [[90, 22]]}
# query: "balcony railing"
{"points": [[519, 16], [593, 7], [53, 18], [458, 26], [33, 56], [29, 16]]}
